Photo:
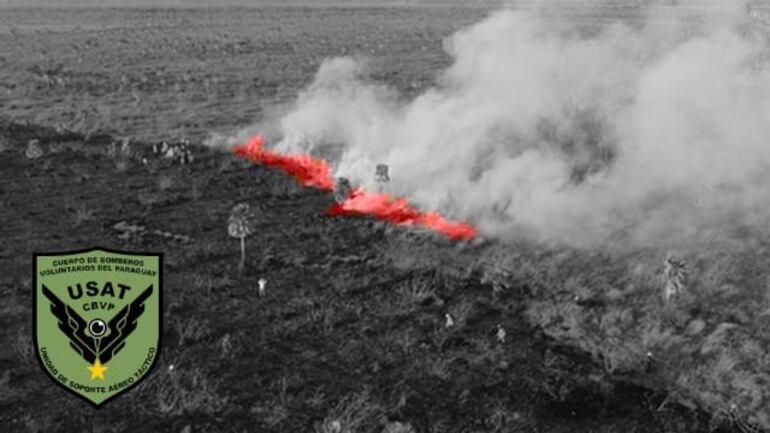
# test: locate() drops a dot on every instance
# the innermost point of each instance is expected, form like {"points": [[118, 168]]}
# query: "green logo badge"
{"points": [[97, 319]]}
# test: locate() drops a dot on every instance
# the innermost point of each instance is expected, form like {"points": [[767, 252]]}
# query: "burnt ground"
{"points": [[350, 336]]}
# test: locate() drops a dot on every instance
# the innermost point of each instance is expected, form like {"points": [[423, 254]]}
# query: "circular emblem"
{"points": [[97, 327]]}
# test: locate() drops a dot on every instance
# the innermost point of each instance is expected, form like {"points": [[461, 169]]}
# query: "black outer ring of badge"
{"points": [[34, 318]]}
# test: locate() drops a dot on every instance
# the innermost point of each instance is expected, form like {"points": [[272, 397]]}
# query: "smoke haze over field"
{"points": [[627, 133]]}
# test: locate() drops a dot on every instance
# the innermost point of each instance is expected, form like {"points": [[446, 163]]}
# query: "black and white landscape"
{"points": [[612, 154]]}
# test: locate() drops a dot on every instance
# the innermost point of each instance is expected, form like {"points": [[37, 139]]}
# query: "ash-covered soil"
{"points": [[351, 335]]}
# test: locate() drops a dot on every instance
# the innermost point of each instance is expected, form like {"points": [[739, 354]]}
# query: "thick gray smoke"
{"points": [[644, 132]]}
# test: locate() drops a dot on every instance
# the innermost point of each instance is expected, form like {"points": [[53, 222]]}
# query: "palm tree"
{"points": [[239, 225]]}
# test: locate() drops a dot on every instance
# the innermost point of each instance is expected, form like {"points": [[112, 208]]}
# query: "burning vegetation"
{"points": [[349, 201]]}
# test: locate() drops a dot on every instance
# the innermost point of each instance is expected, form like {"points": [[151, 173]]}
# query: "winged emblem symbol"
{"points": [[97, 347]]}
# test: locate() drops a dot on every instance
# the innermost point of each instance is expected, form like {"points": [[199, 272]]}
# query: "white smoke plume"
{"points": [[640, 133]]}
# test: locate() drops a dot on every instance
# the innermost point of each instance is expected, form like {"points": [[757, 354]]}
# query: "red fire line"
{"points": [[316, 173], [304, 169]]}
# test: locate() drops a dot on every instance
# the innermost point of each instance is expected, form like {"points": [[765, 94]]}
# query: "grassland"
{"points": [[169, 72], [351, 335]]}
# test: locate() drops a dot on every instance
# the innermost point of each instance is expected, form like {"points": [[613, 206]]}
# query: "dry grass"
{"points": [[82, 213], [187, 390], [354, 413], [5, 144], [189, 330], [166, 182]]}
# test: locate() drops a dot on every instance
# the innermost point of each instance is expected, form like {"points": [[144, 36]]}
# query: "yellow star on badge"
{"points": [[97, 370]]}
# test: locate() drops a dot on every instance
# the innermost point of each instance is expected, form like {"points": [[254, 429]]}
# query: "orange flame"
{"points": [[399, 212], [304, 169], [316, 173]]}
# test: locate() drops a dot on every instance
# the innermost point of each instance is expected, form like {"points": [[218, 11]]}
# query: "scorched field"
{"points": [[324, 322]]}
